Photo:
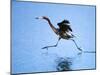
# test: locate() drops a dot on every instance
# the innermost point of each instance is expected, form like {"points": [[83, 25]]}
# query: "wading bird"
{"points": [[64, 31]]}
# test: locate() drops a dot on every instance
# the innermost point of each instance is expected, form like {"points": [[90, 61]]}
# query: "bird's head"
{"points": [[41, 17]]}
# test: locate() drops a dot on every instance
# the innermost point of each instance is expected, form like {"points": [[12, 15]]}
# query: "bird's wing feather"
{"points": [[65, 27]]}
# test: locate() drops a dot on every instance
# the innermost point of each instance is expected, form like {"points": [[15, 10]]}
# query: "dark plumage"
{"points": [[64, 26]]}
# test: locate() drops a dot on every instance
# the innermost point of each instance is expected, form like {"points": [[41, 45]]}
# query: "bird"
{"points": [[64, 31]]}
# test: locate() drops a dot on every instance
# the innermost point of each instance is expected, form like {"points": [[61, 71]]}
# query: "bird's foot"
{"points": [[45, 48], [80, 51], [45, 53]]}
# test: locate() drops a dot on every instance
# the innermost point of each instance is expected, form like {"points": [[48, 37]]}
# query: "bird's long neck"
{"points": [[48, 20]]}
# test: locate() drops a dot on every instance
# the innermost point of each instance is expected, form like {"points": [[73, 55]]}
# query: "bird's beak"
{"points": [[39, 18], [36, 18]]}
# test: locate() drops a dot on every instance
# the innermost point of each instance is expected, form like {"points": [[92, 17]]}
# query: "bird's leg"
{"points": [[46, 47], [76, 45]]}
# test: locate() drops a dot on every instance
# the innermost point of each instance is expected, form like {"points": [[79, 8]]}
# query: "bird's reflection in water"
{"points": [[63, 64]]}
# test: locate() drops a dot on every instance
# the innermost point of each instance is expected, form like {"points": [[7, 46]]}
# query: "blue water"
{"points": [[29, 35]]}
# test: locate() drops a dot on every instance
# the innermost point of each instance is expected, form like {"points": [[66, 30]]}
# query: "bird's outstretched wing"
{"points": [[64, 26]]}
